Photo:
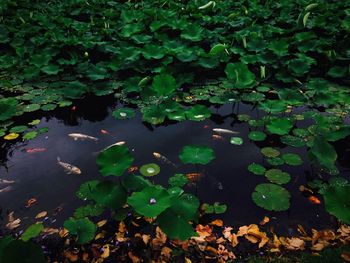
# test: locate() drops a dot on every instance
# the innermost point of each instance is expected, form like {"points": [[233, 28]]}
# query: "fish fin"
{"points": [[58, 159]]}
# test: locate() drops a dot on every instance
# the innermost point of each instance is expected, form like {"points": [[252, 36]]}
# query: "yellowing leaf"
{"points": [[41, 214], [11, 136], [106, 251], [101, 223]]}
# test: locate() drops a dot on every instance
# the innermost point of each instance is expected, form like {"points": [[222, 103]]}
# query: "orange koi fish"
{"points": [[217, 137], [163, 159], [193, 177], [313, 199]]}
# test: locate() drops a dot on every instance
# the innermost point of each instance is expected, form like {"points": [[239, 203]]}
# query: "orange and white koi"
{"points": [[35, 150], [163, 159], [132, 169], [80, 136], [219, 130], [69, 168]]}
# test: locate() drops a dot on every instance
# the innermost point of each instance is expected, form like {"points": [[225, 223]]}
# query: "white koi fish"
{"points": [[69, 168], [219, 130], [114, 144], [80, 136], [3, 181], [6, 189]]}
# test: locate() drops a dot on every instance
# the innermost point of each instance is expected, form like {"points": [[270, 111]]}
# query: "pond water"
{"points": [[226, 179]]}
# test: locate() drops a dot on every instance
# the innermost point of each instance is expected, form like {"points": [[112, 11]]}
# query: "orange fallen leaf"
{"points": [[101, 223], [30, 202], [264, 221], [160, 238], [166, 252], [106, 251], [133, 258], [50, 231], [12, 222], [346, 256], [71, 256], [293, 243], [217, 222]]}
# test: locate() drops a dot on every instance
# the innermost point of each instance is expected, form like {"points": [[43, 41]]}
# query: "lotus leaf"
{"points": [[151, 201], [257, 136], [88, 210], [271, 197], [236, 140], [292, 159], [8, 108], [32, 231], [240, 74], [194, 154], [18, 129], [256, 169], [164, 84], [337, 202], [150, 169], [198, 113], [275, 161], [292, 140], [109, 194], [114, 161], [30, 135], [83, 228], [270, 152], [277, 176], [280, 126], [123, 113], [135, 183], [178, 180], [24, 252]]}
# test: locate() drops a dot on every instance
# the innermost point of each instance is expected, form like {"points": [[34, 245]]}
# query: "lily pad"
{"points": [[31, 107], [164, 84], [292, 159], [123, 113], [196, 154], [271, 197], [198, 113], [277, 176], [18, 129], [8, 108], [293, 141], [151, 201], [30, 135], [83, 228], [270, 152], [135, 183], [11, 136], [280, 126], [150, 169], [240, 74], [109, 195], [178, 180], [32, 231], [114, 161], [256, 169], [257, 136]]}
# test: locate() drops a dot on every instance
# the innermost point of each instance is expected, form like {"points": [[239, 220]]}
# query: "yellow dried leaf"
{"points": [[41, 214], [217, 222], [50, 231], [187, 260], [106, 251], [346, 256], [166, 252], [133, 258], [264, 221], [71, 256], [100, 235], [63, 232], [293, 243], [243, 230], [101, 223], [11, 136]]}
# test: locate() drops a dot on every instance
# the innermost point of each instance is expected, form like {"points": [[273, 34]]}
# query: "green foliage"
{"points": [[196, 154], [83, 228], [271, 197]]}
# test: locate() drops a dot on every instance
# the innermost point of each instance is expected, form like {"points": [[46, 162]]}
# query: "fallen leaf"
{"points": [[346, 256], [166, 252], [101, 223], [50, 231], [30, 202], [293, 243], [100, 235], [41, 214], [217, 222], [71, 256], [160, 238], [63, 232], [105, 251], [12, 222], [133, 258], [264, 221], [225, 254]]}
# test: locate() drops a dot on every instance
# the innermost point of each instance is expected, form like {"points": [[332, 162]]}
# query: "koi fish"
{"points": [[114, 144], [6, 189], [74, 108], [80, 136], [3, 181], [313, 199], [193, 177], [105, 132], [163, 159], [133, 169], [69, 168], [35, 150], [217, 137], [219, 130], [206, 126]]}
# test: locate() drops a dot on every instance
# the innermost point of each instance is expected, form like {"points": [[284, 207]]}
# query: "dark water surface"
{"points": [[226, 179]]}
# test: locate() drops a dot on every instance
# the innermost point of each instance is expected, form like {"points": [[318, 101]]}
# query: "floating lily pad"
{"points": [[114, 161], [124, 113], [32, 231], [257, 136], [31, 107], [48, 107], [293, 141], [198, 113], [30, 135], [256, 169], [271, 197], [280, 126], [178, 180], [240, 74], [150, 169], [135, 183], [83, 228], [18, 129], [236, 140], [292, 159], [164, 84], [277, 176], [153, 114], [270, 152], [86, 189], [109, 195], [196, 154], [275, 161], [151, 201]]}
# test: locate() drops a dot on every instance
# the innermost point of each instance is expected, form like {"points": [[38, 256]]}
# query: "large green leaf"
{"points": [[271, 197], [280, 126], [195, 154], [25, 252], [324, 152], [164, 84], [114, 161], [151, 201], [240, 74], [198, 113], [337, 201], [32, 231], [8, 108], [83, 228], [109, 194]]}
